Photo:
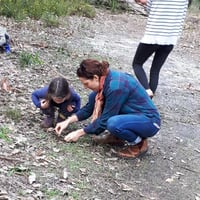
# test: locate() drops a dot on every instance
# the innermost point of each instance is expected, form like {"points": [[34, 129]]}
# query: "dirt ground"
{"points": [[35, 164]]}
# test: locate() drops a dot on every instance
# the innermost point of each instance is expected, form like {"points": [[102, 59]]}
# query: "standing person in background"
{"points": [[56, 94], [118, 104], [164, 26]]}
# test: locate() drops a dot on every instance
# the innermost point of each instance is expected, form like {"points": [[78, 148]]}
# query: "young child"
{"points": [[57, 94], [4, 40]]}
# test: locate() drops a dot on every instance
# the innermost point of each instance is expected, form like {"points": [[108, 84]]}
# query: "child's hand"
{"points": [[70, 108], [44, 104], [143, 2]]}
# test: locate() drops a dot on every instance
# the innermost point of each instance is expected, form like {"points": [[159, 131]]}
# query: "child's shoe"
{"points": [[47, 122], [150, 93], [7, 48]]}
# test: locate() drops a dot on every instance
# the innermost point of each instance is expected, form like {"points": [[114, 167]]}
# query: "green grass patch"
{"points": [[27, 59], [14, 114], [73, 148], [42, 135], [79, 156], [4, 131], [50, 193], [113, 5], [82, 187], [75, 195]]}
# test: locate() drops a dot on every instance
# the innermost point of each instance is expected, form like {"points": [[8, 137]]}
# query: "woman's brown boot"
{"points": [[133, 151]]}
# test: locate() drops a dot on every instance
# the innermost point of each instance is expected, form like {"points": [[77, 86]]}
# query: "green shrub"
{"points": [[50, 19], [19, 9], [80, 8], [113, 5]]}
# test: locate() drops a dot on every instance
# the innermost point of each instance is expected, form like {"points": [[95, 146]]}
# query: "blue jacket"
{"points": [[123, 94]]}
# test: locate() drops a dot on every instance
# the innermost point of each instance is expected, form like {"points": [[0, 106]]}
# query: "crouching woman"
{"points": [[118, 104]]}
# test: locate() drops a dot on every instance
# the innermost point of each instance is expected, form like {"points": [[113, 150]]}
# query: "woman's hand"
{"points": [[44, 104], [74, 136], [61, 126]]}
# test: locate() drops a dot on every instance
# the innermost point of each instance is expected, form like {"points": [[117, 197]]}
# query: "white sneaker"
{"points": [[150, 93]]}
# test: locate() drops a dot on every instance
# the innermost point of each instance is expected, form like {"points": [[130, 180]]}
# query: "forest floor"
{"points": [[35, 164]]}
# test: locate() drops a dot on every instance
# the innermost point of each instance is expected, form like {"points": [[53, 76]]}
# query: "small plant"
{"points": [[4, 131], [113, 5], [82, 186], [50, 20], [41, 135], [50, 193], [75, 195], [27, 59], [14, 114], [80, 8], [18, 170]]}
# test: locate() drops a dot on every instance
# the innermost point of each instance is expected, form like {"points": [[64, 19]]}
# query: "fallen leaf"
{"points": [[39, 153], [65, 173], [126, 187], [32, 178], [111, 191], [56, 150], [3, 192], [197, 150], [169, 180], [5, 85]]}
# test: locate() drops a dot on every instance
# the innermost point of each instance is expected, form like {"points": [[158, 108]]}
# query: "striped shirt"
{"points": [[165, 21], [122, 95]]}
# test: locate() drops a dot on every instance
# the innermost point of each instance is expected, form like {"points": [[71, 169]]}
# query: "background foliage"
{"points": [[50, 9], [20, 9]]}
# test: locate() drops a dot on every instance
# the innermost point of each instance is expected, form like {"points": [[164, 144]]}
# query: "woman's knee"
{"points": [[112, 124]]}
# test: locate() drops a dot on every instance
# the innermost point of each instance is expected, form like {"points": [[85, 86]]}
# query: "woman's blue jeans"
{"points": [[129, 126]]}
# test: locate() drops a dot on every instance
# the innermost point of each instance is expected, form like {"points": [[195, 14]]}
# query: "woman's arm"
{"points": [[114, 100], [86, 111]]}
